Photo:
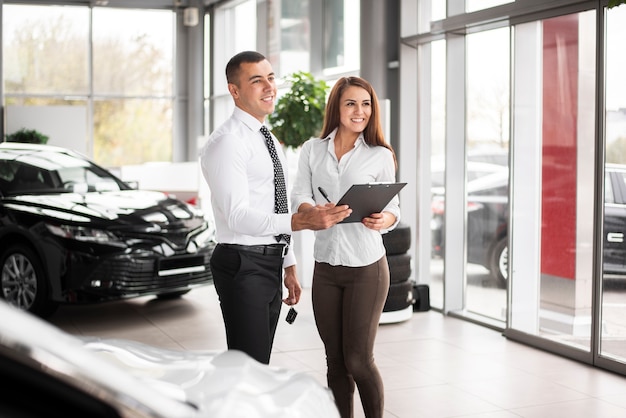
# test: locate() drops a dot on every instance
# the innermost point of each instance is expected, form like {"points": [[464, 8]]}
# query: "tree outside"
{"points": [[46, 58]]}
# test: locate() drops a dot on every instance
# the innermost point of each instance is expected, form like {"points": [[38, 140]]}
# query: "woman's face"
{"points": [[355, 109]]}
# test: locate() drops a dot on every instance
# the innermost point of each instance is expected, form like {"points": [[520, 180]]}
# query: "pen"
{"points": [[323, 192]]}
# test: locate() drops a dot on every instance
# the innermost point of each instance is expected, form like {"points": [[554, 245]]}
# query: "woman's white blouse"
{"points": [[349, 244]]}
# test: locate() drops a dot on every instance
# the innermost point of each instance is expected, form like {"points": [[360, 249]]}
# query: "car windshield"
{"points": [[50, 172]]}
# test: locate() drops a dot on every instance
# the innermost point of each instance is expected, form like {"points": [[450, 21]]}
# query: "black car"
{"points": [[488, 217], [475, 170], [614, 251], [487, 222], [72, 232]]}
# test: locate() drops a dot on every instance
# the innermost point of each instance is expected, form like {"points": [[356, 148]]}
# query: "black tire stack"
{"points": [[397, 243]]}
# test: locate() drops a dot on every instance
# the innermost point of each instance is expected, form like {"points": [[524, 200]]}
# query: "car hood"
{"points": [[156, 382], [125, 208], [220, 384]]}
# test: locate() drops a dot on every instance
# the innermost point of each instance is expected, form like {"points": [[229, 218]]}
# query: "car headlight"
{"points": [[81, 233]]}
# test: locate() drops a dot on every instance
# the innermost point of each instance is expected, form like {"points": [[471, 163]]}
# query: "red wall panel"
{"points": [[560, 95]]}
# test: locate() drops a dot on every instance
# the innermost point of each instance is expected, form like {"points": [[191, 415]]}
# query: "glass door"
{"points": [[487, 174], [552, 183], [437, 134], [613, 296]]}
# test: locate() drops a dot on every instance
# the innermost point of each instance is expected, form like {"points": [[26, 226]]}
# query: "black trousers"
{"points": [[250, 288]]}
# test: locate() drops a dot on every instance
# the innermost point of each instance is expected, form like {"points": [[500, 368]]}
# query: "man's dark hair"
{"points": [[232, 68]]}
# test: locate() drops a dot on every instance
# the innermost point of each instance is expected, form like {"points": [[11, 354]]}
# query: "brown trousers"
{"points": [[347, 303]]}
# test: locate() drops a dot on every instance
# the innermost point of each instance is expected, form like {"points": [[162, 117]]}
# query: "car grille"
{"points": [[178, 239], [144, 274]]}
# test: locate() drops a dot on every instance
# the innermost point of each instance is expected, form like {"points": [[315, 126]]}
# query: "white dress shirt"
{"points": [[349, 244], [238, 168]]}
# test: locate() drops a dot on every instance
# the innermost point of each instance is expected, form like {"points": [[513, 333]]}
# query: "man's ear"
{"points": [[233, 90]]}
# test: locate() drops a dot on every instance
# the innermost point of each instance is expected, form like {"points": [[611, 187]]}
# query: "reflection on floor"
{"points": [[432, 365], [486, 301]]}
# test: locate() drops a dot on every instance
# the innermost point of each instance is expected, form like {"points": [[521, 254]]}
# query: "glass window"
{"points": [[564, 257], [143, 42], [487, 142], [136, 125], [46, 53], [294, 36], [341, 35], [553, 179], [438, 9], [609, 196], [207, 74], [474, 5], [228, 21], [438, 141], [45, 49], [132, 131], [615, 87], [613, 309]]}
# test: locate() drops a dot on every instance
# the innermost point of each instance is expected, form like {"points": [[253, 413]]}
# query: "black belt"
{"points": [[274, 250]]}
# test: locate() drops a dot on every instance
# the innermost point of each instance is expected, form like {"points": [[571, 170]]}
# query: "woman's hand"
{"points": [[378, 221]]}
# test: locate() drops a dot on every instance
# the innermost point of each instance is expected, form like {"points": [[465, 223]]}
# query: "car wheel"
{"points": [[398, 240], [499, 265], [23, 281], [172, 295]]}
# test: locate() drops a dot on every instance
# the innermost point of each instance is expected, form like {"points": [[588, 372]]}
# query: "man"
{"points": [[253, 236]]}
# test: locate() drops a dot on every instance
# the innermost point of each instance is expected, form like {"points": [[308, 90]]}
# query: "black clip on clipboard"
{"points": [[365, 199]]}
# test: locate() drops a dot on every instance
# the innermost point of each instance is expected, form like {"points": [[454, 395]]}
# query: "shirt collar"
{"points": [[331, 138], [247, 119]]}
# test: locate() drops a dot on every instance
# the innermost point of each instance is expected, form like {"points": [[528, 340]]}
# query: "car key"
{"points": [[291, 315]]}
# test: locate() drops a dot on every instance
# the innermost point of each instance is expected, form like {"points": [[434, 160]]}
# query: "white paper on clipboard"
{"points": [[365, 199]]}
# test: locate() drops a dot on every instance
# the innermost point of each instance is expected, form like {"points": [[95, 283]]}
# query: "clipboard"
{"points": [[365, 199]]}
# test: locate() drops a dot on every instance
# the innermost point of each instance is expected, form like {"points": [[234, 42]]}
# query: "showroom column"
{"points": [[189, 106], [380, 40]]}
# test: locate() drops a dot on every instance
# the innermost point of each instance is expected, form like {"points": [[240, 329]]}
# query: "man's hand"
{"points": [[319, 217], [292, 285]]}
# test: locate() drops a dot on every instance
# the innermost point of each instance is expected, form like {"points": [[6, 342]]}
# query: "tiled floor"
{"points": [[432, 365]]}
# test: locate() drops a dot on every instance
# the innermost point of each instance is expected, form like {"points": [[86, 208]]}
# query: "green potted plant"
{"points": [[299, 113], [27, 136]]}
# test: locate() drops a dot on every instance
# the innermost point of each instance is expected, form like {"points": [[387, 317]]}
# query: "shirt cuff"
{"points": [[284, 223], [290, 258], [397, 215]]}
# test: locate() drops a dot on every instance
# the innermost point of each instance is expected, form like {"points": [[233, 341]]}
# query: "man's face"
{"points": [[255, 91]]}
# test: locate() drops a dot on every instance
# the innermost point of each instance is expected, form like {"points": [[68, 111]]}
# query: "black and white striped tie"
{"points": [[280, 191]]}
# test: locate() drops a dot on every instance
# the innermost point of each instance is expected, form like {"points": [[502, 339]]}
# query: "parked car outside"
{"points": [[488, 217], [491, 155], [72, 232], [475, 170], [487, 223], [614, 245], [48, 372]]}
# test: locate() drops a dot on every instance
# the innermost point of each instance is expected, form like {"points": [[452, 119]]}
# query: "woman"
{"points": [[351, 274]]}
